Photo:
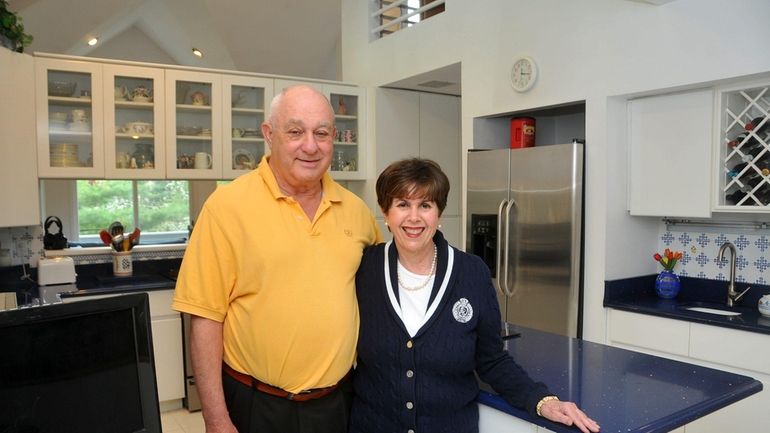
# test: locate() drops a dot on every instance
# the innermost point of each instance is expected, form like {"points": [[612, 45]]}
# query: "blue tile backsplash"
{"points": [[700, 249]]}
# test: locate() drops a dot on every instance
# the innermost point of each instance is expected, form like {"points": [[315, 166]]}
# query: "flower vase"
{"points": [[667, 285]]}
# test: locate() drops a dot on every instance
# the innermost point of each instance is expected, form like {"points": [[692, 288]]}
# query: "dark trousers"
{"points": [[252, 411]]}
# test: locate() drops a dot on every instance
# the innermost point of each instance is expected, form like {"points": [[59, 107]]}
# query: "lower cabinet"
{"points": [[494, 421], [738, 352]]}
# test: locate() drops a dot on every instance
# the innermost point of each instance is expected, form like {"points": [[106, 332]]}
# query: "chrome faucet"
{"points": [[732, 295]]}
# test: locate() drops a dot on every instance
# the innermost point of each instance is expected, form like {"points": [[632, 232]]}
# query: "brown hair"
{"points": [[412, 178]]}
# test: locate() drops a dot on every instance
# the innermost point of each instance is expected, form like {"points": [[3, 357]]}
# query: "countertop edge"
{"points": [[664, 424]]}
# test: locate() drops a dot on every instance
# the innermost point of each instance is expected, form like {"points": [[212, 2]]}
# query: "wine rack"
{"points": [[745, 148]]}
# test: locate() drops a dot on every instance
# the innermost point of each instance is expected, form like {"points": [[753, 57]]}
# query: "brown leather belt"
{"points": [[310, 394]]}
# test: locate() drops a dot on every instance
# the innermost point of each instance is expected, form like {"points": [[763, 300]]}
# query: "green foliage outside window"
{"points": [[162, 206]]}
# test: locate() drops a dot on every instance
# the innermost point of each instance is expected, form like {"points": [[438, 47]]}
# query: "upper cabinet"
{"points": [[246, 105], [134, 100], [670, 140], [701, 151], [18, 167], [193, 125], [70, 110], [743, 148], [349, 105], [109, 119]]}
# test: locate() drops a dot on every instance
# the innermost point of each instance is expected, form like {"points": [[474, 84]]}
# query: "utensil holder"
{"points": [[122, 263]]}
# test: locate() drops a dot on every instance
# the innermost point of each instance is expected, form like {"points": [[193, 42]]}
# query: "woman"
{"points": [[429, 320]]}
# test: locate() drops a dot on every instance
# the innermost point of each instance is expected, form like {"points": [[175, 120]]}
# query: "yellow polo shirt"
{"points": [[283, 286]]}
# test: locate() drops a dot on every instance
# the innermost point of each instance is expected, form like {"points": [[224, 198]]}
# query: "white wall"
{"points": [[588, 50]]}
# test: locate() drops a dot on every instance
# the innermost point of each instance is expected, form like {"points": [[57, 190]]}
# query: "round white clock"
{"points": [[523, 74]]}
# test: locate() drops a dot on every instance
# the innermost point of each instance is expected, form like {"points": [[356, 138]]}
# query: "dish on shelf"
{"points": [[140, 128], [251, 132], [80, 126], [141, 98], [61, 88], [243, 160], [188, 130]]}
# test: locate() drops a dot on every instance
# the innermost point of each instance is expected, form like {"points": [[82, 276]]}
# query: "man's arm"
{"points": [[206, 351]]}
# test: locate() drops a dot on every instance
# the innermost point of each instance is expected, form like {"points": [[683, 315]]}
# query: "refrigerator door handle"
{"points": [[501, 274], [510, 273], [506, 262]]}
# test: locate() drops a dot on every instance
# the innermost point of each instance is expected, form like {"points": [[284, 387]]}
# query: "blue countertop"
{"points": [[638, 295], [624, 391]]}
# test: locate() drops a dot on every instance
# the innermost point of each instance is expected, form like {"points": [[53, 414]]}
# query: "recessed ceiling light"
{"points": [[197, 52], [93, 41]]}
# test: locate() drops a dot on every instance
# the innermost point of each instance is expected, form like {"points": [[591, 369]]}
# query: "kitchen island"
{"points": [[624, 391]]}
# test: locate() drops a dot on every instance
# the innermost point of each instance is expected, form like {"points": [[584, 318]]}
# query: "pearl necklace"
{"points": [[427, 279]]}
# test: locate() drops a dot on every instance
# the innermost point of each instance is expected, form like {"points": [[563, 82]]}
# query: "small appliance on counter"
{"points": [[54, 276]]}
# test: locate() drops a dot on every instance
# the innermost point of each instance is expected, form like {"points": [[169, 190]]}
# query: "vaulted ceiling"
{"points": [[283, 37]]}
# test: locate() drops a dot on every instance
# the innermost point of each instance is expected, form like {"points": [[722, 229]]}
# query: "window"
{"points": [[390, 16], [161, 209]]}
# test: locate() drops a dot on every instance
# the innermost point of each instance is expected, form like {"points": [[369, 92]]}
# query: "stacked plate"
{"points": [[64, 155]]}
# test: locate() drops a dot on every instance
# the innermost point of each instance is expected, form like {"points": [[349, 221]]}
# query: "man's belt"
{"points": [[251, 382]]}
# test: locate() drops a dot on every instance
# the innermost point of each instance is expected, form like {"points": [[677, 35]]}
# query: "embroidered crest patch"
{"points": [[462, 311]]}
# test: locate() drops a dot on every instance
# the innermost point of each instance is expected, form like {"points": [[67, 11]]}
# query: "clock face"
{"points": [[523, 74]]}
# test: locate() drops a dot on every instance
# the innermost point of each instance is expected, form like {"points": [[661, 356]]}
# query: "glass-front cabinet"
{"points": [[348, 103], [133, 122], [69, 105], [194, 125], [246, 102]]}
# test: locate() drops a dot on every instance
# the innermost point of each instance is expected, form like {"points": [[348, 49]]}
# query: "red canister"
{"points": [[522, 132]]}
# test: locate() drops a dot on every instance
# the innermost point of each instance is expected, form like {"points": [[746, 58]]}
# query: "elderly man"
{"points": [[268, 278]]}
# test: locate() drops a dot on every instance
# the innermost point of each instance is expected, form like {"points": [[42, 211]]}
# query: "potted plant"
{"points": [[12, 34]]}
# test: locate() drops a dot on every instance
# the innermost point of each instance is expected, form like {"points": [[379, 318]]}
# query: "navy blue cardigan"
{"points": [[426, 383]]}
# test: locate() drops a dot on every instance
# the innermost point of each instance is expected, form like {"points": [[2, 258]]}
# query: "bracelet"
{"points": [[542, 402]]}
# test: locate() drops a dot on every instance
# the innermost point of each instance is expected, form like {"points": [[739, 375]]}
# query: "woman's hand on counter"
{"points": [[568, 413]]}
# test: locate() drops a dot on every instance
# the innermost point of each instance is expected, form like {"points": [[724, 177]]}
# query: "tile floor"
{"points": [[182, 421]]}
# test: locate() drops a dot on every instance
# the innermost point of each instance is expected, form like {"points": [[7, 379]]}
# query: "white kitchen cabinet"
{"points": [[425, 125], [193, 125], [246, 105], [670, 139], [664, 336], [739, 352], [494, 421], [18, 156], [134, 125], [349, 104], [70, 109]]}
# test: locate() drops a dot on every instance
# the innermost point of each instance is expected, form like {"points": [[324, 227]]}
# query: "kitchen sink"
{"points": [[710, 308], [713, 311]]}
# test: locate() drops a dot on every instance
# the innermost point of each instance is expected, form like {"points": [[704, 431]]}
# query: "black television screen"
{"points": [[80, 367]]}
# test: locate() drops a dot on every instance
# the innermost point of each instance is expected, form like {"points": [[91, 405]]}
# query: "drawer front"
{"points": [[740, 349], [649, 332]]}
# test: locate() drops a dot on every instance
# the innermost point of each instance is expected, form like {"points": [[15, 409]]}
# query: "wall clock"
{"points": [[523, 74]]}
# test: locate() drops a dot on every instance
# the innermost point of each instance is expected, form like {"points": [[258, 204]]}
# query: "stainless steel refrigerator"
{"points": [[525, 211]]}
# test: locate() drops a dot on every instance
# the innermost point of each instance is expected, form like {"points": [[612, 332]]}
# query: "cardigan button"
{"points": [[409, 373], [409, 344], [409, 405]]}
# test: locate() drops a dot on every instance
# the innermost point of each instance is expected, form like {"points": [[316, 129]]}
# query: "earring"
{"points": [[386, 223], [439, 226]]}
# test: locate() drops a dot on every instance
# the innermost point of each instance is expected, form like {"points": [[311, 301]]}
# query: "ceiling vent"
{"points": [[435, 84]]}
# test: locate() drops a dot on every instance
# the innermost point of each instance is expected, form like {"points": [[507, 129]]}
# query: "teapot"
{"points": [[764, 305], [121, 93], [141, 94]]}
